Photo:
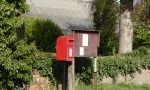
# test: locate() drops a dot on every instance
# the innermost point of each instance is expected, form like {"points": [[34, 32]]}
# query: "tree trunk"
{"points": [[126, 26]]}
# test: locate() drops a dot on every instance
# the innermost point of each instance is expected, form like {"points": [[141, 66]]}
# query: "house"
{"points": [[67, 14]]}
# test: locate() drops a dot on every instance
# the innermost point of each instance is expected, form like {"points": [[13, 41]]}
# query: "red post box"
{"points": [[65, 48]]}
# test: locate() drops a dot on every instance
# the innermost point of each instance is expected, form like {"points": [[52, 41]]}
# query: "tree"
{"points": [[126, 26], [142, 13], [142, 24], [105, 20], [15, 54]]}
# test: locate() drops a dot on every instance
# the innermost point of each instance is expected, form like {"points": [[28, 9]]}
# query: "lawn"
{"points": [[114, 87]]}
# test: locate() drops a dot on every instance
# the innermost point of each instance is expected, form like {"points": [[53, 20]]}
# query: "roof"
{"points": [[86, 30], [68, 14]]}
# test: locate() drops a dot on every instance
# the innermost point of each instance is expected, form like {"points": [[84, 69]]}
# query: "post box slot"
{"points": [[71, 40]]}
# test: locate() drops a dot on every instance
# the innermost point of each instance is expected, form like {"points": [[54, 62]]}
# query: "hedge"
{"points": [[112, 66], [108, 66]]}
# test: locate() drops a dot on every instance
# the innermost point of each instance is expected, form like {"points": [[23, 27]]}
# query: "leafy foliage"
{"points": [[107, 66], [16, 66], [105, 19], [44, 65], [83, 70], [142, 37], [141, 13], [112, 66], [43, 32], [142, 26], [15, 54]]}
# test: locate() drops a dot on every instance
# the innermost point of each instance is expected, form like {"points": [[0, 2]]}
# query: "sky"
{"points": [[135, 1]]}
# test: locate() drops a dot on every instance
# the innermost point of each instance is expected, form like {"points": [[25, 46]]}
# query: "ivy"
{"points": [[112, 66], [44, 65]]}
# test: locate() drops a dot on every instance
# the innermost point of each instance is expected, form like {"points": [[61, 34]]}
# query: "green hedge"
{"points": [[112, 66], [108, 66], [44, 65]]}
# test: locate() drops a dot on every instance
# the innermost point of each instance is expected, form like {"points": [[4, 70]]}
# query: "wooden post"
{"points": [[71, 75], [95, 71], [64, 81], [95, 65]]}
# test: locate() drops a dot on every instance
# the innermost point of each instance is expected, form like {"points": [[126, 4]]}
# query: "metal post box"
{"points": [[65, 48]]}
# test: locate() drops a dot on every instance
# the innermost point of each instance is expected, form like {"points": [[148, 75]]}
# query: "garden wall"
{"points": [[39, 82], [43, 83], [139, 78]]}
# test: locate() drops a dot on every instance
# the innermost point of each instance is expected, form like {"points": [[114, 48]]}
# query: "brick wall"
{"points": [[39, 82]]}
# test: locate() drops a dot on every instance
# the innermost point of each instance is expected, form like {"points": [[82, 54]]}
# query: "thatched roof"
{"points": [[68, 14]]}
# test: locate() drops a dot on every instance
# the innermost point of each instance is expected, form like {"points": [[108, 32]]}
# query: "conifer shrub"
{"points": [[43, 32]]}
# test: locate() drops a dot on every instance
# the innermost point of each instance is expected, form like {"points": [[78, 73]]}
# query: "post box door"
{"points": [[61, 48], [70, 48]]}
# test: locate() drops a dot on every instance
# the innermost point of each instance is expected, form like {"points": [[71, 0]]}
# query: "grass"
{"points": [[114, 87]]}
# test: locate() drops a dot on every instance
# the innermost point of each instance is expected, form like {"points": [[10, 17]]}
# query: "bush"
{"points": [[43, 32], [15, 54], [112, 66], [44, 65], [83, 70], [16, 65], [107, 66], [142, 37]]}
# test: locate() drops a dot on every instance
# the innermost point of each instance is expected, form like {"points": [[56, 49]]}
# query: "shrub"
{"points": [[142, 37], [44, 65], [83, 70], [112, 66], [15, 54], [43, 32], [107, 66]]}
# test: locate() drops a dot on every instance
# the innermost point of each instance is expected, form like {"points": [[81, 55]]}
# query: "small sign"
{"points": [[84, 39], [70, 52], [81, 51]]}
